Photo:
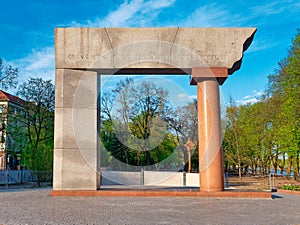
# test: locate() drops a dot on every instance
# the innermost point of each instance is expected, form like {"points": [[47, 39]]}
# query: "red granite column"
{"points": [[209, 128]]}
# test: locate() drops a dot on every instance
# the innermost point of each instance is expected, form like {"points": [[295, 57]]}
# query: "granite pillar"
{"points": [[209, 127]]}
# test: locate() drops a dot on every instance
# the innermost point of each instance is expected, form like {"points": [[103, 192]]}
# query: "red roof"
{"points": [[4, 96]]}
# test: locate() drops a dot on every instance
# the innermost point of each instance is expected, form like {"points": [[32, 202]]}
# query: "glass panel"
{"points": [[145, 123]]}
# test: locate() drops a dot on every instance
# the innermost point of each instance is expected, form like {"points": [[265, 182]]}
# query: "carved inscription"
{"points": [[83, 57], [213, 58], [126, 57]]}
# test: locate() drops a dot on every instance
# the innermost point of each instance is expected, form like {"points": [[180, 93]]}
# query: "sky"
{"points": [[27, 32]]}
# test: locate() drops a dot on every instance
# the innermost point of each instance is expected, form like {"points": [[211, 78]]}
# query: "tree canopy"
{"points": [[266, 134], [8, 75], [32, 126], [140, 127]]}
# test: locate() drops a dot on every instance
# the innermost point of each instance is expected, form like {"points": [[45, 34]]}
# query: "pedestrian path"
{"points": [[36, 206]]}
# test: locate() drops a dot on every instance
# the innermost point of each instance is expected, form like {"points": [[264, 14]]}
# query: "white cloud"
{"points": [[275, 8], [130, 13], [211, 15], [39, 63], [258, 93], [158, 4], [182, 96], [186, 98], [250, 99], [120, 17], [221, 15], [259, 45], [247, 101], [296, 6], [268, 9], [287, 8], [248, 96], [192, 97]]}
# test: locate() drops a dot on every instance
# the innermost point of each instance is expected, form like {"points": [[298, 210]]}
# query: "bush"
{"points": [[292, 187]]}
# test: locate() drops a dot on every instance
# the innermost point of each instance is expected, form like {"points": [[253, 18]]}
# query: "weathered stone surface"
{"points": [[117, 48], [75, 89], [75, 136], [75, 128], [74, 170]]}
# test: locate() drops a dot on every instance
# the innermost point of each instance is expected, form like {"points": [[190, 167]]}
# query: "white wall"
{"points": [[151, 178], [120, 177], [156, 178], [192, 180]]}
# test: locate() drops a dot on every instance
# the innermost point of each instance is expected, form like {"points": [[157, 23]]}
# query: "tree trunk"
{"points": [[185, 157], [282, 165], [240, 170], [254, 168], [275, 163], [226, 167], [126, 159], [289, 168], [298, 164]]}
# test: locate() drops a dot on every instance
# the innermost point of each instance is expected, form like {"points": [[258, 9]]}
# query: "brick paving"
{"points": [[36, 206]]}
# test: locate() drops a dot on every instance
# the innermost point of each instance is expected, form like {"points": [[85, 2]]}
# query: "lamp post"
{"points": [[189, 145]]}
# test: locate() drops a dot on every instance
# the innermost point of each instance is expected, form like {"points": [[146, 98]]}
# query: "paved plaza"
{"points": [[35, 206]]}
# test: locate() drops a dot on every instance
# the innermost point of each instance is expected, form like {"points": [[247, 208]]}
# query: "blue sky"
{"points": [[27, 31]]}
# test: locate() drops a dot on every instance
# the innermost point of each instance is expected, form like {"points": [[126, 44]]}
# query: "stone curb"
{"points": [[151, 193], [288, 191]]}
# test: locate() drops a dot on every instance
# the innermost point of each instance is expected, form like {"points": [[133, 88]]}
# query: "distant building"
{"points": [[10, 151]]}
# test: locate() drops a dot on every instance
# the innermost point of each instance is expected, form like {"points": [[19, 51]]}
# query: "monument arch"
{"points": [[209, 55]]}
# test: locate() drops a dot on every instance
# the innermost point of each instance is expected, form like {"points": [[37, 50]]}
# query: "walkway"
{"points": [[35, 206]]}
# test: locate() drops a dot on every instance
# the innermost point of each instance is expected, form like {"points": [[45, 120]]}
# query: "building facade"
{"points": [[10, 148]]}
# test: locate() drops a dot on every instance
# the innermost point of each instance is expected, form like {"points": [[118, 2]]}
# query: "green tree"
{"points": [[8, 75], [184, 122], [232, 149], [34, 126], [134, 129], [266, 134], [284, 86], [249, 140]]}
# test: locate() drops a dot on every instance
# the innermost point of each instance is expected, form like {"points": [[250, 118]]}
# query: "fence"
{"points": [[9, 177]]}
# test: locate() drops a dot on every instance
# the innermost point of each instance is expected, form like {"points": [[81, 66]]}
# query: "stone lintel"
{"points": [[151, 48], [204, 73]]}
